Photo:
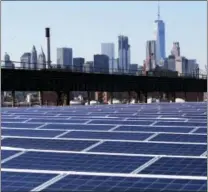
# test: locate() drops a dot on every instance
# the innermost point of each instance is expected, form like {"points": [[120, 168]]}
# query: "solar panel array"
{"points": [[141, 147]]}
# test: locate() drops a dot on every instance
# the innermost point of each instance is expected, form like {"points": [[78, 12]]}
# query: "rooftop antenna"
{"points": [[158, 10]]}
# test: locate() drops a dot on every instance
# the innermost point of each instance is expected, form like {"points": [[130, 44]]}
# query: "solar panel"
{"points": [[180, 138], [7, 153], [101, 183], [107, 135], [150, 148], [79, 127], [155, 129], [49, 144], [182, 166], [17, 181], [194, 124], [20, 125], [76, 162], [114, 122], [30, 133], [141, 147]]}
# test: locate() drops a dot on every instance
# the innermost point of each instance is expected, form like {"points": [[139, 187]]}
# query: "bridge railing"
{"points": [[86, 68]]}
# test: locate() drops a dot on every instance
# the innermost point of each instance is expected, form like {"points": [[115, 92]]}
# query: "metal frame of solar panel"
{"points": [[141, 147]]}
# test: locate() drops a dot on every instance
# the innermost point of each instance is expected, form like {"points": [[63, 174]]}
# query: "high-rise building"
{"points": [[88, 67], [101, 64], [176, 49], [109, 50], [78, 64], [64, 58], [33, 59], [170, 63], [41, 60], [123, 54], [160, 38], [25, 60], [133, 69], [7, 62], [150, 55]]}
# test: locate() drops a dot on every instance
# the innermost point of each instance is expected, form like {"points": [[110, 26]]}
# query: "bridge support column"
{"points": [[129, 97], [185, 96], [173, 97], [59, 98], [168, 96], [111, 98], [13, 99], [138, 97], [145, 96], [88, 97], [197, 96], [41, 98]]}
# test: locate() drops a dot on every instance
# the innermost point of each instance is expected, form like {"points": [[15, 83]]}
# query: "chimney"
{"points": [[47, 34]]}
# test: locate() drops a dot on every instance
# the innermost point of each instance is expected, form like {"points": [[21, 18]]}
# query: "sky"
{"points": [[84, 25]]}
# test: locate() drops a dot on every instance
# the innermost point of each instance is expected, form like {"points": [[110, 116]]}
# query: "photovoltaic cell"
{"points": [[154, 129], [150, 148], [30, 133], [107, 135], [113, 184], [177, 166], [7, 153], [22, 182], [76, 162], [180, 138], [49, 144], [56, 121], [201, 130], [113, 122], [194, 124], [20, 125], [84, 127]]}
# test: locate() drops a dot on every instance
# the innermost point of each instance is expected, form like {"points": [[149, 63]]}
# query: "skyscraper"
{"points": [[123, 54], [109, 50], [64, 57], [160, 38], [25, 60], [150, 55], [176, 49], [78, 64], [7, 62], [33, 58], [41, 60], [101, 64]]}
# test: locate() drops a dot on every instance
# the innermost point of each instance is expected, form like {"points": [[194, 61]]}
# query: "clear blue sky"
{"points": [[83, 26]]}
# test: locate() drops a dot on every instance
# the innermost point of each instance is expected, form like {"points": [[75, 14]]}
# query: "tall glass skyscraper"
{"points": [[160, 38], [64, 57], [109, 50], [123, 54]]}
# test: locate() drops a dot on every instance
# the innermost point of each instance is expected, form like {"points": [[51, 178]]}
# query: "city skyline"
{"points": [[80, 50]]}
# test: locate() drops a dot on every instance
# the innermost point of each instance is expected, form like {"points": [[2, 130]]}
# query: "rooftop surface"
{"points": [[141, 147]]}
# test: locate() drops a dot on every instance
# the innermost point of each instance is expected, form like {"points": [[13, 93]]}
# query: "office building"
{"points": [[170, 63], [65, 57], [78, 64], [7, 62], [175, 49], [88, 67], [133, 69], [41, 60], [101, 63], [33, 59], [25, 60], [123, 54], [150, 55], [109, 50], [160, 38]]}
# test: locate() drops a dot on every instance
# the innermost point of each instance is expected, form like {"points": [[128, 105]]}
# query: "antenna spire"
{"points": [[158, 10]]}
